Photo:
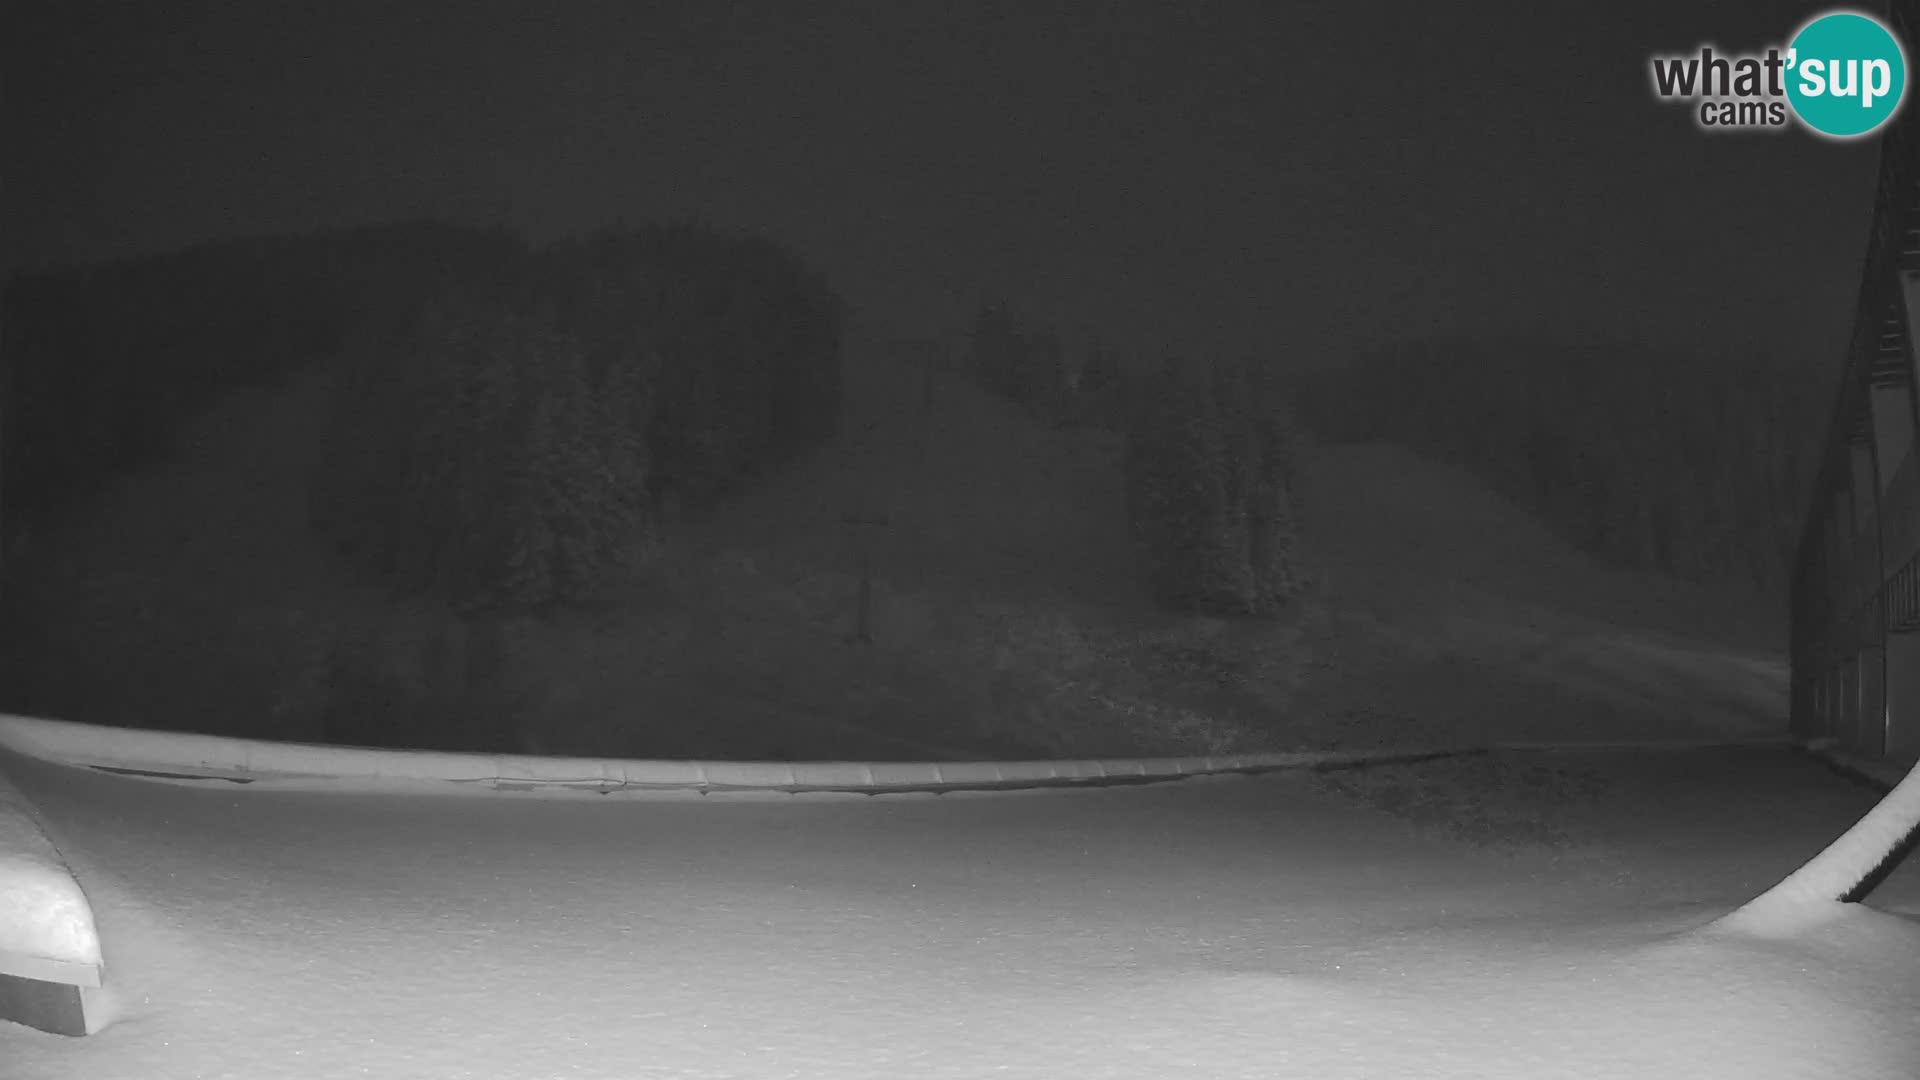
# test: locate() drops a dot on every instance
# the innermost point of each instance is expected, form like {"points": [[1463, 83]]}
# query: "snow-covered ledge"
{"points": [[50, 970], [190, 758]]}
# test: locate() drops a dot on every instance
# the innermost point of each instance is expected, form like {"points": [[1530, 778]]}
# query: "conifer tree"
{"points": [[483, 460], [1177, 484]]}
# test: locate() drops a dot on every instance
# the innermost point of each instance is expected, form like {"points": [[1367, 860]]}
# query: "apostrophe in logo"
{"points": [[1846, 75]]}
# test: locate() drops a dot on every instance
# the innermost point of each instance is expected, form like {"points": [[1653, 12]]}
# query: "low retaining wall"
{"points": [[206, 758]]}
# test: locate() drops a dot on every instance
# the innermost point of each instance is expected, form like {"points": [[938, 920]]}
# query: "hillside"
{"points": [[1443, 604], [1005, 615]]}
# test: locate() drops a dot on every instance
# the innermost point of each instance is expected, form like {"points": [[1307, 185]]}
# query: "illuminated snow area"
{"points": [[1222, 928]]}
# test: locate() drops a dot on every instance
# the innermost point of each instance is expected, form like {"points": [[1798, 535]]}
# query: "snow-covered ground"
{"points": [[1284, 925]]}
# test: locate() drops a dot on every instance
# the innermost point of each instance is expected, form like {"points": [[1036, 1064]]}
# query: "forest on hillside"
{"points": [[512, 423], [1693, 465], [510, 431], [713, 356]]}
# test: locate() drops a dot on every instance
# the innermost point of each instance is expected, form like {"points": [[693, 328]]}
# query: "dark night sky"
{"points": [[1303, 179]]}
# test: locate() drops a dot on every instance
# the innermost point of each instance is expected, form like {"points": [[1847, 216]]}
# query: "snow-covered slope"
{"points": [[1218, 928], [1443, 610]]}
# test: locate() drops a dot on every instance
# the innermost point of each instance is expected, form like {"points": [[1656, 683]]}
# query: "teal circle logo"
{"points": [[1846, 75]]}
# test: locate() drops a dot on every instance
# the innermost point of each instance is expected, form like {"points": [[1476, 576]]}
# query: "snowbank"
{"points": [[1222, 928], [49, 949]]}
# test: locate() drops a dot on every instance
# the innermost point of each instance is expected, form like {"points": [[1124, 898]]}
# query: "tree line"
{"points": [[537, 423], [509, 423]]}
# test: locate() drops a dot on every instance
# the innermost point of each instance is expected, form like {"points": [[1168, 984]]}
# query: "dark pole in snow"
{"points": [[860, 533]]}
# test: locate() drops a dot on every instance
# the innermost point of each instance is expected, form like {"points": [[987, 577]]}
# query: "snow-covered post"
{"points": [[1845, 872]]}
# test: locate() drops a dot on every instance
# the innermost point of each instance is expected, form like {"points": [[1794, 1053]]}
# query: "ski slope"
{"points": [[1279, 925]]}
